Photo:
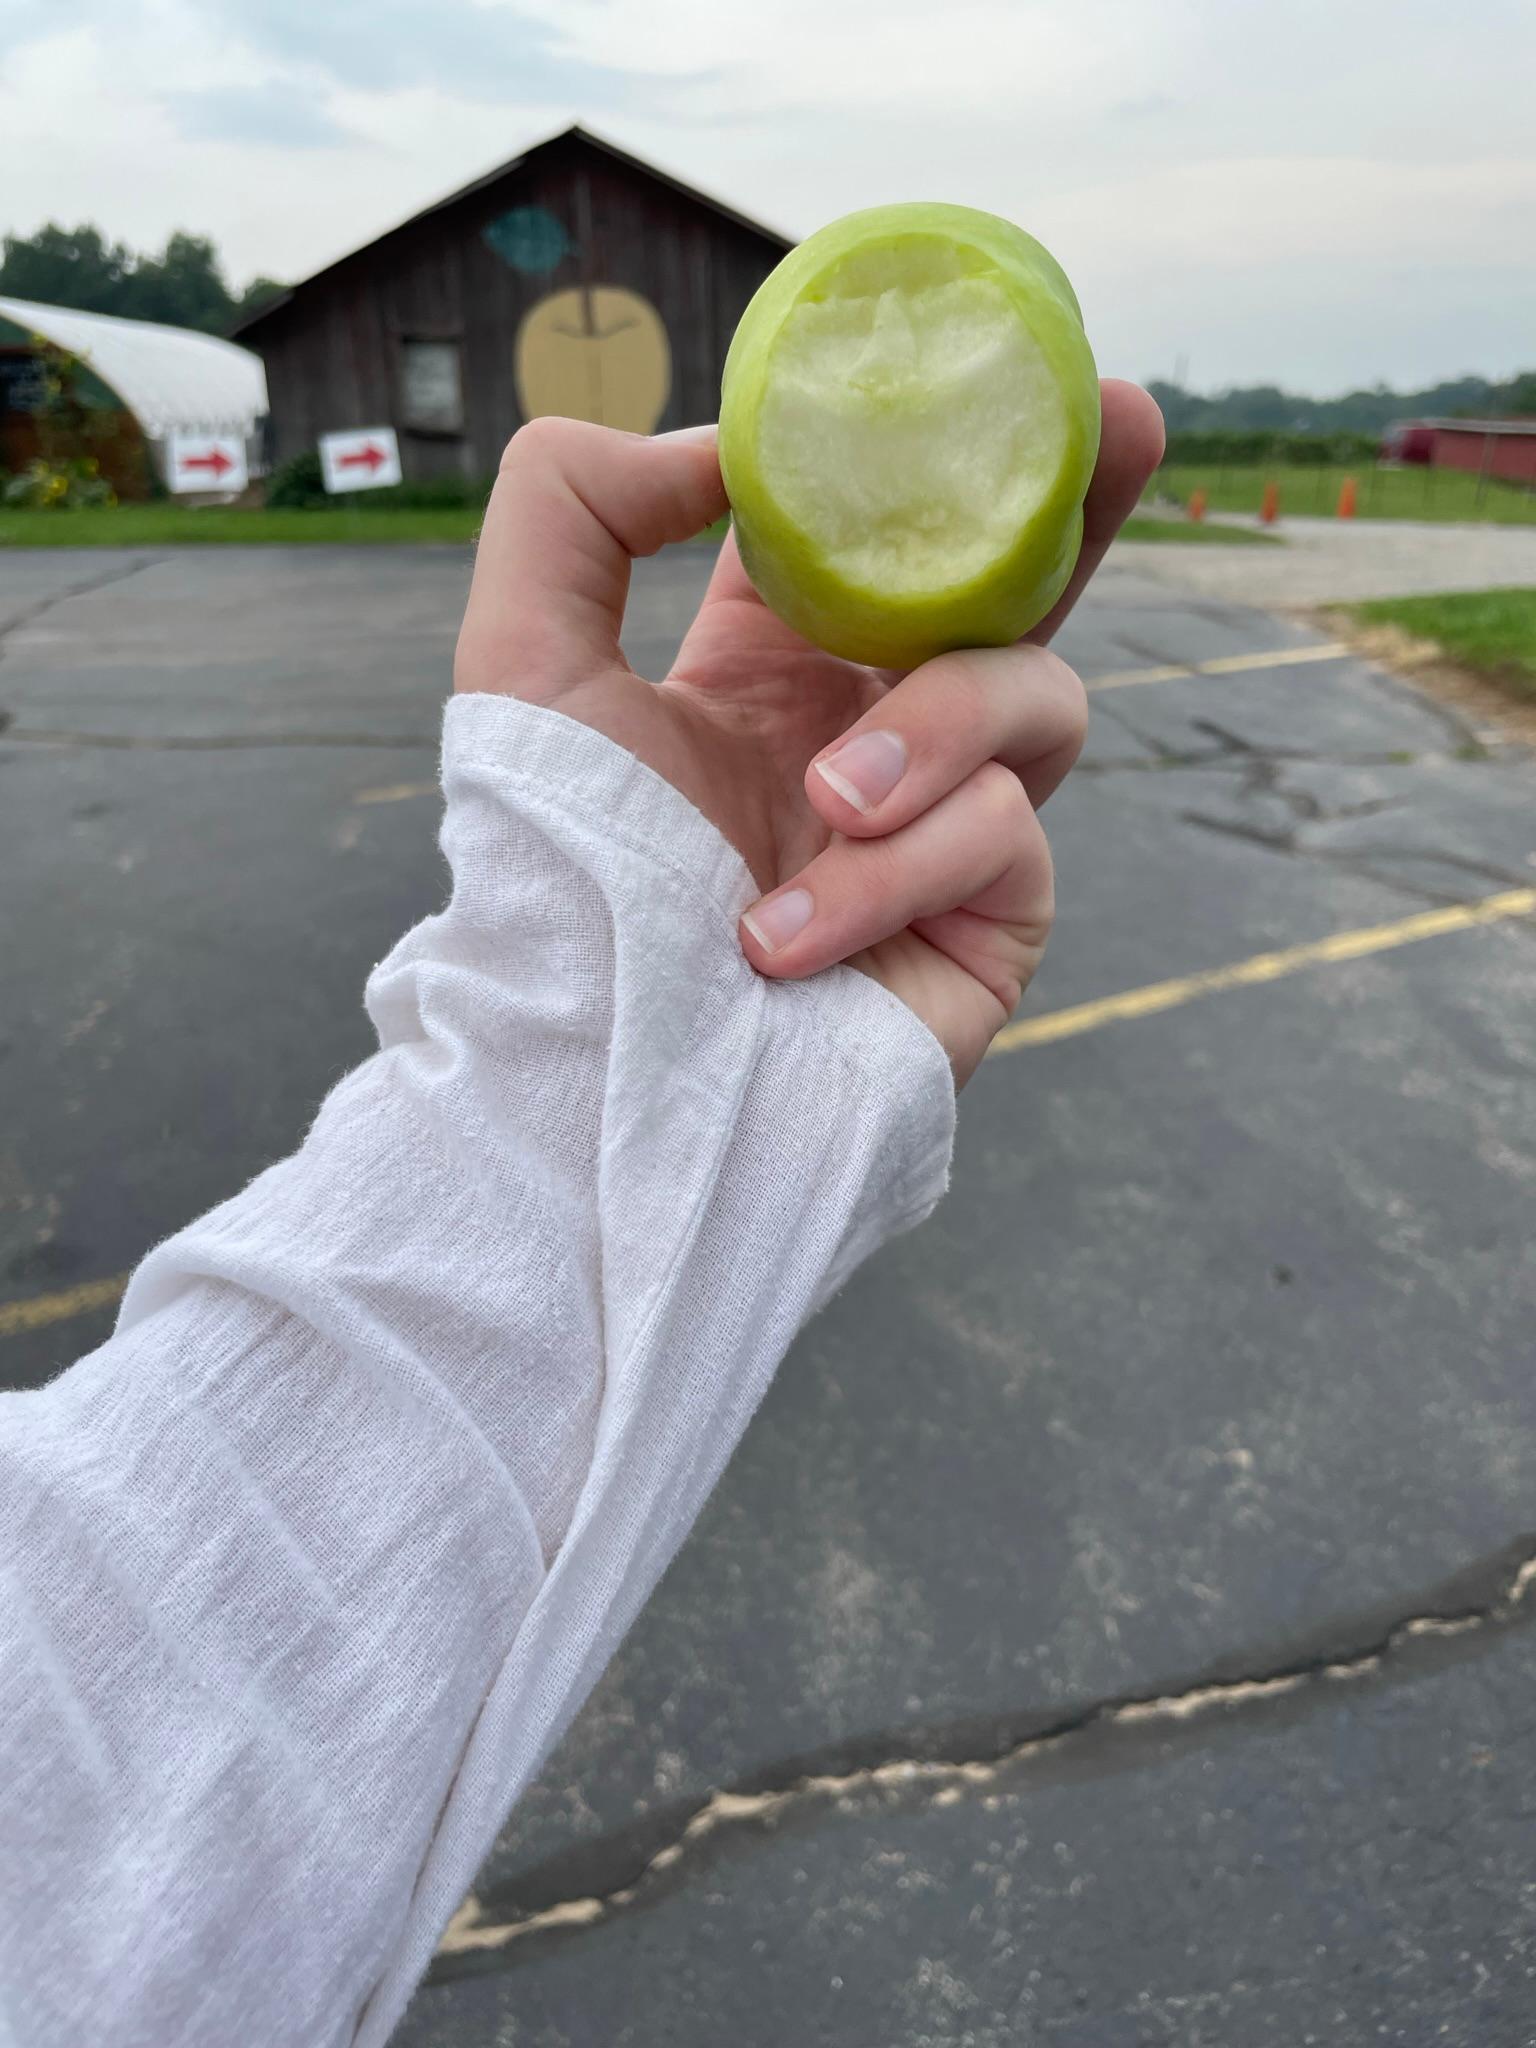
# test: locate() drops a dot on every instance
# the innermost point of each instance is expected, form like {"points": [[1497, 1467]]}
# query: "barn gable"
{"points": [[574, 279]]}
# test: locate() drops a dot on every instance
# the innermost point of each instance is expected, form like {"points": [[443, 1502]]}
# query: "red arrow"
{"points": [[365, 458], [217, 461]]}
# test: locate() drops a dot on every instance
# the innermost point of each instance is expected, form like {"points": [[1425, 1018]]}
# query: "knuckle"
{"points": [[1004, 796], [876, 867], [962, 683], [524, 442], [537, 439], [1068, 687]]}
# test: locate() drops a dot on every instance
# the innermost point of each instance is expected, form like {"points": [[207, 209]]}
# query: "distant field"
{"points": [[1418, 493], [1491, 631]]}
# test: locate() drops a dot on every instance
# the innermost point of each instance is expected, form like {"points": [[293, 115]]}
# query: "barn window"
{"points": [[431, 386]]}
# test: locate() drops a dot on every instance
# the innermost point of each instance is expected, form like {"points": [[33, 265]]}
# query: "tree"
{"points": [[66, 267], [1261, 408], [256, 295], [183, 286], [1180, 408]]}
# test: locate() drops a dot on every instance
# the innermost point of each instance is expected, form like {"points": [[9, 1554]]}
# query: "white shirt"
{"points": [[303, 1573]]}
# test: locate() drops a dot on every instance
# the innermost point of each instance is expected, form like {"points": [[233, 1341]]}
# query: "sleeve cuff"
{"points": [[559, 764]]}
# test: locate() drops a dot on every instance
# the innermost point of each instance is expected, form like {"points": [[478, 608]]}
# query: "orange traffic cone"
{"points": [[1197, 505], [1269, 510], [1347, 495]]}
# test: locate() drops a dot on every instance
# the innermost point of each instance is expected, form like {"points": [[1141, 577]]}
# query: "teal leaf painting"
{"points": [[531, 239]]}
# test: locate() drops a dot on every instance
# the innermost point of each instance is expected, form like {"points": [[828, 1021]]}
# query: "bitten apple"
{"points": [[908, 423]]}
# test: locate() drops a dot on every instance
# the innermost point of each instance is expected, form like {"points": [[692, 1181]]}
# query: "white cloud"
{"points": [[969, 56], [1317, 193]]}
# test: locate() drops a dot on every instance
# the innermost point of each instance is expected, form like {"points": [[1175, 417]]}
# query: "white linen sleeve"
{"points": [[303, 1572]]}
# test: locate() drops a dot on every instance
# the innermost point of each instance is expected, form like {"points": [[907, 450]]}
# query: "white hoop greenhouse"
{"points": [[171, 379]]}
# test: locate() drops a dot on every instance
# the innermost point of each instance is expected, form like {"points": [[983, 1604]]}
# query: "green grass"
{"points": [[1140, 527], [1491, 631], [1418, 493]]}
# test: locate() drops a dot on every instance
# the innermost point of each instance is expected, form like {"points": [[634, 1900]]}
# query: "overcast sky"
{"points": [[1318, 193]]}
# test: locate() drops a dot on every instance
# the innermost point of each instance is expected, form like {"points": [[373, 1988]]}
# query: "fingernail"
{"points": [[776, 920], [867, 768], [704, 433]]}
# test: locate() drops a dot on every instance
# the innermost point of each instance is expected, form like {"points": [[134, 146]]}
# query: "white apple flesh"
{"points": [[908, 424]]}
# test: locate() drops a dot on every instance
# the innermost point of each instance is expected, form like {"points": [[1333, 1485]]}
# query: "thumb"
{"points": [[572, 507]]}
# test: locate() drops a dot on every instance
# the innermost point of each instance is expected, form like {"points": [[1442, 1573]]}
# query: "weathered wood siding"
{"points": [[333, 351]]}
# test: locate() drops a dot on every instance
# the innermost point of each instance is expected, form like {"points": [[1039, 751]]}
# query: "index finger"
{"points": [[573, 505], [1130, 448]]}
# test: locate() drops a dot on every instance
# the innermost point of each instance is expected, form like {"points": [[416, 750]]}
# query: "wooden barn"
{"points": [[573, 280], [1502, 449]]}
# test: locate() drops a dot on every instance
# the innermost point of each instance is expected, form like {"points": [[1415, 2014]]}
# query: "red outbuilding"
{"points": [[1503, 449]]}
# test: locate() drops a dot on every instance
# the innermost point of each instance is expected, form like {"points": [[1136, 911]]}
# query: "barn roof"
{"points": [[576, 132], [170, 378], [1478, 426]]}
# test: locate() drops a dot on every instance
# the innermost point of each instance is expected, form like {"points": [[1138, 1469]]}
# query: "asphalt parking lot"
{"points": [[1116, 1627]]}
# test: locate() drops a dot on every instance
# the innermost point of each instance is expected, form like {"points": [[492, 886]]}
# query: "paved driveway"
{"points": [[1115, 1627], [1329, 561]]}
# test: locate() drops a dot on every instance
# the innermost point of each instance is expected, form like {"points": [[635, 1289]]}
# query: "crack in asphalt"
{"points": [[1151, 653], [30, 615], [946, 1766], [1230, 749], [1459, 729], [33, 612], [1163, 754], [1366, 862], [1224, 761], [1290, 842], [1263, 770]]}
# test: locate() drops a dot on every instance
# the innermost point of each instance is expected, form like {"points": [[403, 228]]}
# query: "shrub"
{"points": [[62, 485], [298, 482], [1241, 448], [451, 493]]}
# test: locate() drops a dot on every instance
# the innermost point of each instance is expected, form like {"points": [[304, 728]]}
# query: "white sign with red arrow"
{"points": [[205, 462], [361, 461]]}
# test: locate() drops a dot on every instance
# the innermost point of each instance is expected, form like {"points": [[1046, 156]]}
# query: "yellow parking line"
{"points": [[1273, 657], [17, 1317], [40, 1310], [1174, 673], [1222, 665], [1168, 995], [396, 792]]}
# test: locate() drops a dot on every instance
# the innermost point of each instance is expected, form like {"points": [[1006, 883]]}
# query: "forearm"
{"points": [[316, 1558]]}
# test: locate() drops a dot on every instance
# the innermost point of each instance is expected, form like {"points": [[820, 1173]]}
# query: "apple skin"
{"points": [[892, 628]]}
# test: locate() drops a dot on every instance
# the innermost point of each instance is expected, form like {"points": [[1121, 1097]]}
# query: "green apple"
{"points": [[908, 422]]}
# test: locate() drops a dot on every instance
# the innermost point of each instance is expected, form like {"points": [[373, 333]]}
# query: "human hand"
{"points": [[890, 821]]}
